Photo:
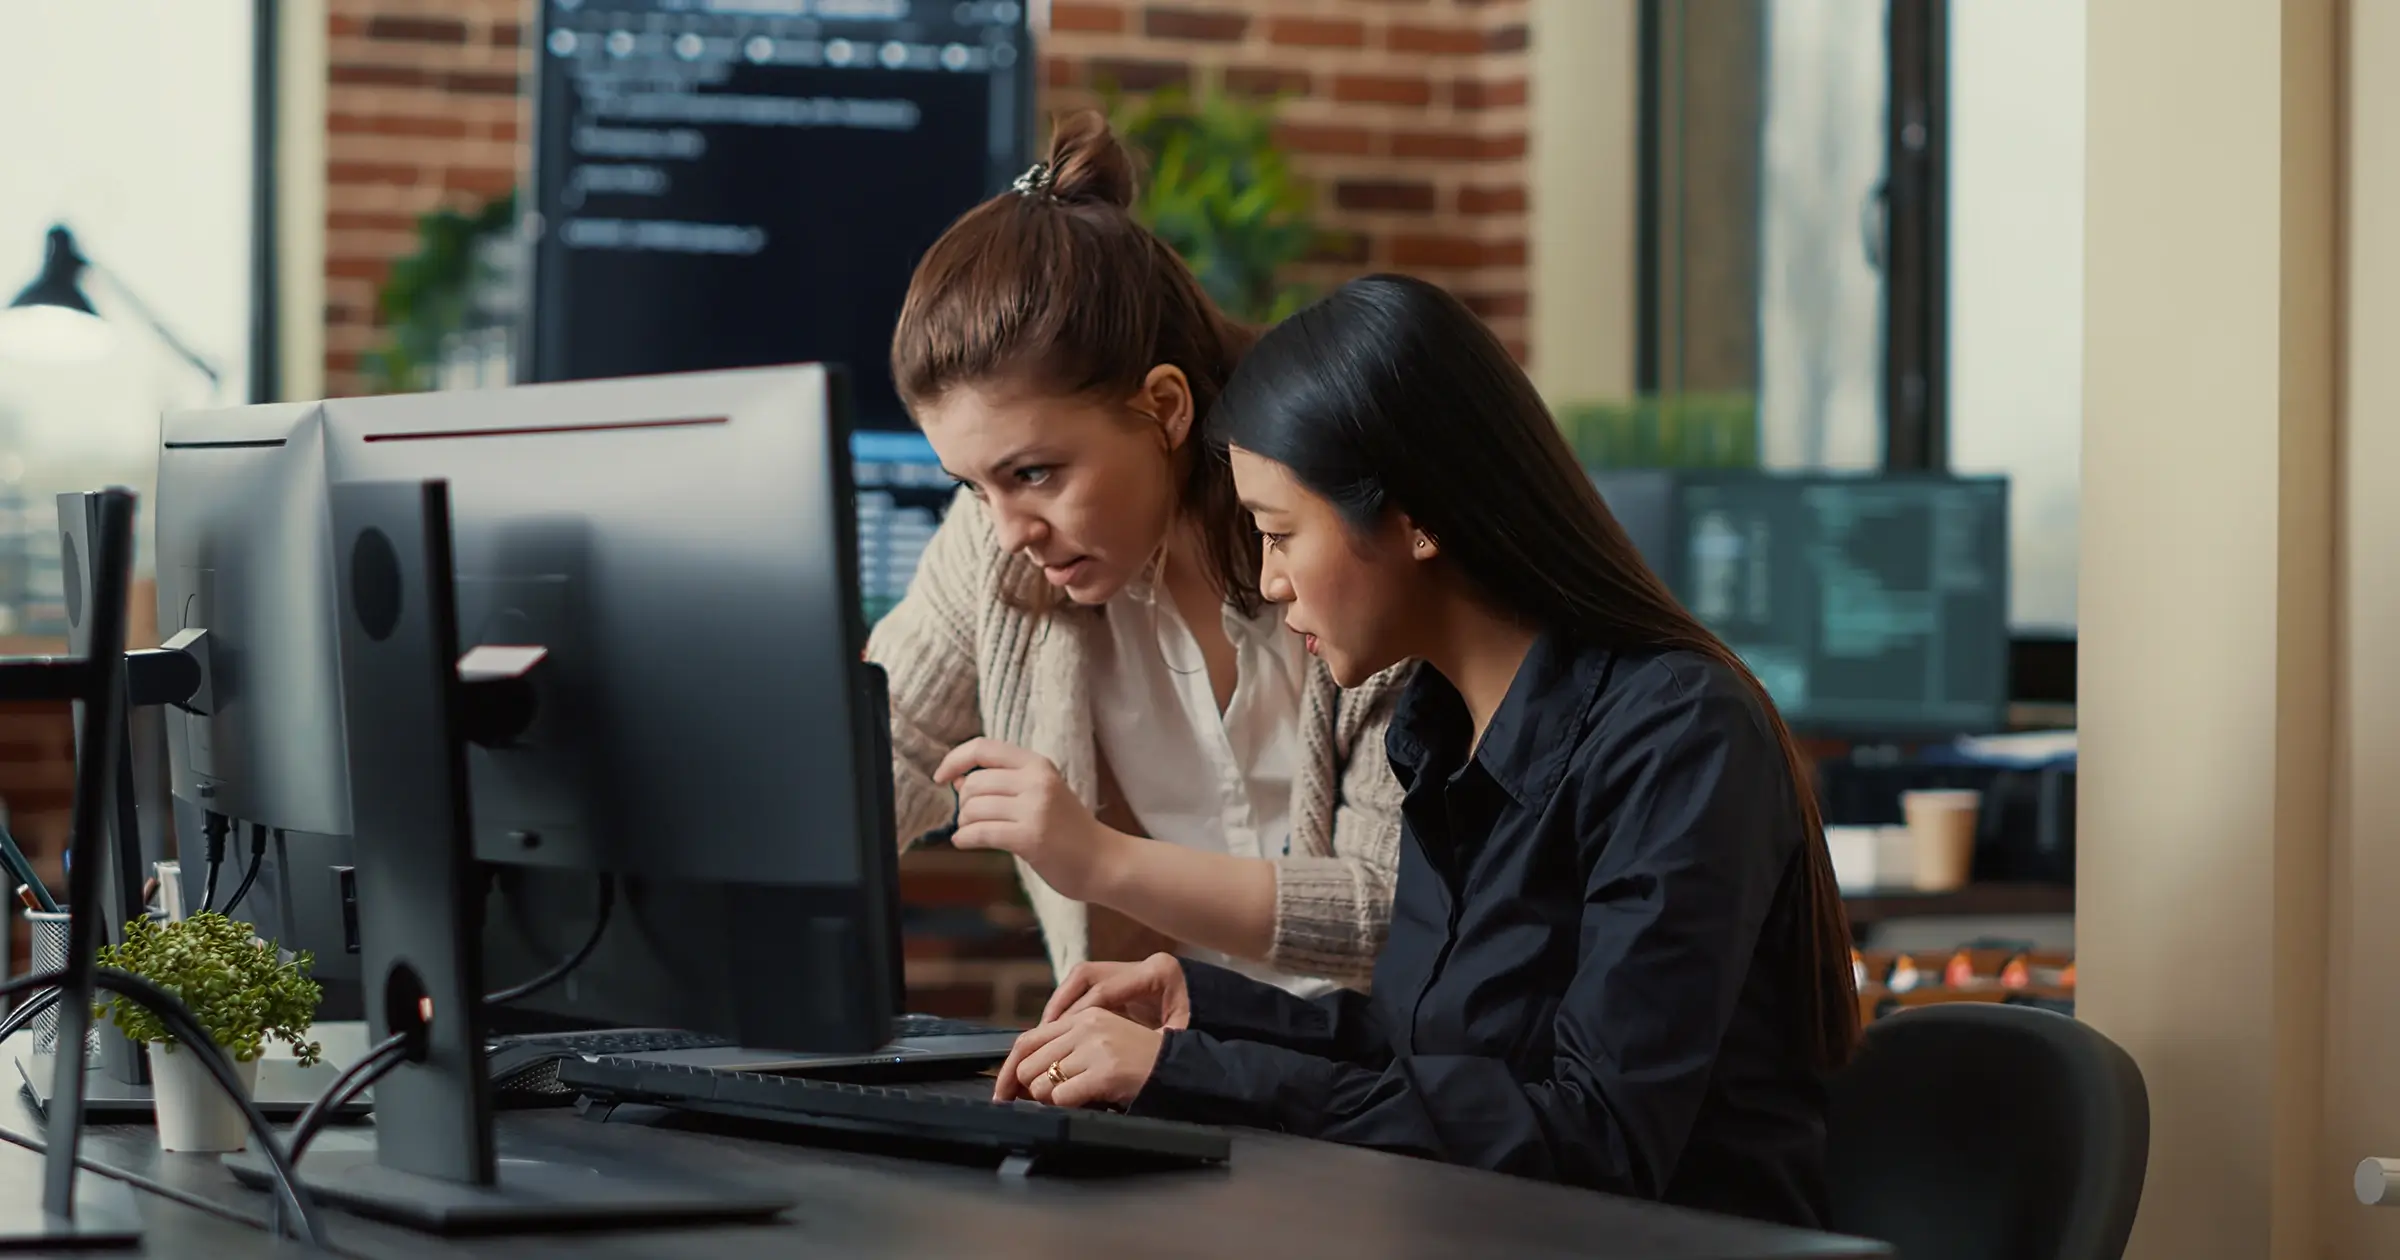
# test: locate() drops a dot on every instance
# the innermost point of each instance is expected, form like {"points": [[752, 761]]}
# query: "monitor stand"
{"points": [[432, 1162], [61, 1205], [107, 1213]]}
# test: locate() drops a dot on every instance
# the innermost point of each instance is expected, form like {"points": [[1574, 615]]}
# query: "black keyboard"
{"points": [[524, 1070], [1048, 1136], [614, 1041]]}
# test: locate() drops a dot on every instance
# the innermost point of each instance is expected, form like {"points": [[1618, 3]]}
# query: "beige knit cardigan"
{"points": [[963, 661]]}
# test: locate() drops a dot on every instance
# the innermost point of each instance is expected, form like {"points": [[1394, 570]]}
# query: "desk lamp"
{"points": [[53, 317]]}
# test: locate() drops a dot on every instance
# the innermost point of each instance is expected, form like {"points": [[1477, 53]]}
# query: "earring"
{"points": [[1423, 543]]}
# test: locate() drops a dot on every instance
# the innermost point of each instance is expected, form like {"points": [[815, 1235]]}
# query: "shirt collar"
{"points": [[1532, 735]]}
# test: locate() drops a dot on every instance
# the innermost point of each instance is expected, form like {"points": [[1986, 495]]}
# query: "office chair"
{"points": [[1980, 1131]]}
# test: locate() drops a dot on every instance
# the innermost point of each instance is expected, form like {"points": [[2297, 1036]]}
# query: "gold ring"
{"points": [[1057, 1077]]}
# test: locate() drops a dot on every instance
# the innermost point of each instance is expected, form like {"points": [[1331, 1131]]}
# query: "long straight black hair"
{"points": [[1390, 394]]}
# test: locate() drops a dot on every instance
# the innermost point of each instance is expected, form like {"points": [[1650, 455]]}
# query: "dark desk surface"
{"points": [[1280, 1197]]}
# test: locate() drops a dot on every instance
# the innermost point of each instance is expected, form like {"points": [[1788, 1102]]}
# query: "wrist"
{"points": [[1114, 857]]}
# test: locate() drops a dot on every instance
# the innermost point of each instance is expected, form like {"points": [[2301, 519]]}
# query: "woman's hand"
{"points": [[1150, 992], [1092, 1058], [1014, 800]]}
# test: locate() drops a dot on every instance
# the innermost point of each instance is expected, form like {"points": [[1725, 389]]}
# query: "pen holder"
{"points": [[49, 932]]}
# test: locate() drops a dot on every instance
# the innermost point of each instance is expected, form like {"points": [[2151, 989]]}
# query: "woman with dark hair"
{"points": [[1083, 673], [1617, 957]]}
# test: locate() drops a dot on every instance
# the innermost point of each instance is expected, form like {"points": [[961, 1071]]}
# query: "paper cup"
{"points": [[1942, 824]]}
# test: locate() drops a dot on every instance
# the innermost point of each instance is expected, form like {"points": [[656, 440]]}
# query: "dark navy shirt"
{"points": [[1597, 967]]}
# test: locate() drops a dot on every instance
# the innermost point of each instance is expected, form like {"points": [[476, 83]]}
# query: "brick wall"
{"points": [[1409, 117], [423, 110]]}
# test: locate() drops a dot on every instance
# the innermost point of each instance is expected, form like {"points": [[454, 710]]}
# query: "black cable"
{"points": [[258, 855], [214, 829], [608, 902], [16, 1020], [371, 1067], [186, 1028]]}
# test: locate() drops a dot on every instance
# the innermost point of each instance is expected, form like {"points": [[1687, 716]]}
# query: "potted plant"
{"points": [[1688, 430], [1222, 194], [239, 990]]}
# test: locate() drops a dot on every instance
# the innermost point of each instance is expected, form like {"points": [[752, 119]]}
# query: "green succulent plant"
{"points": [[1221, 193], [234, 983]]}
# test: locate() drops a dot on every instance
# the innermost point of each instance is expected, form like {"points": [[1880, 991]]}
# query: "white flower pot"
{"points": [[193, 1112]]}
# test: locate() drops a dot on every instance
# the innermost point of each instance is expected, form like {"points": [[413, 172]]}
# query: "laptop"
{"points": [[921, 1045]]}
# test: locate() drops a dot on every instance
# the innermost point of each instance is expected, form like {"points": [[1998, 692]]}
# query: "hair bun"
{"points": [[1088, 163]]}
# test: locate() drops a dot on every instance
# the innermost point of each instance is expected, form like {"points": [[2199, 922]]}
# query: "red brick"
{"points": [[1086, 16], [1319, 139], [1495, 305], [1266, 81], [369, 221], [1450, 145], [417, 30], [1318, 32], [507, 35], [484, 181], [505, 129], [1516, 37], [1340, 247], [1384, 194], [1511, 145], [1504, 199], [1498, 94], [369, 269], [1213, 27], [1133, 74], [1058, 72], [378, 76], [337, 314], [1504, 254], [1383, 89], [1518, 350], [1436, 251], [397, 125], [369, 173], [481, 83], [954, 888], [338, 24], [1438, 40]]}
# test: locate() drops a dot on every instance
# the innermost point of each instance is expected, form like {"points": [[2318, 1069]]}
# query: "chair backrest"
{"points": [[1981, 1131]]}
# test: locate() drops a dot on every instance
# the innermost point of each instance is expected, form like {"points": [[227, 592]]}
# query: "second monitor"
{"points": [[1871, 606]]}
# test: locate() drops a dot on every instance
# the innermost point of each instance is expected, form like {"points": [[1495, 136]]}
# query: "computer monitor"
{"points": [[243, 552], [1870, 605], [747, 182], [665, 569]]}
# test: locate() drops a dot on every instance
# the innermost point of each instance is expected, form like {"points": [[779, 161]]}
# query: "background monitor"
{"points": [[683, 549], [243, 551], [1873, 606], [732, 183]]}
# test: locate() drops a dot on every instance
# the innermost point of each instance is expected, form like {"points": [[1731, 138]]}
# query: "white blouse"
{"points": [[1193, 777]]}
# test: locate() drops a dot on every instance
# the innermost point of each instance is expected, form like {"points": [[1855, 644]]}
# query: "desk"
{"points": [[1280, 1196]]}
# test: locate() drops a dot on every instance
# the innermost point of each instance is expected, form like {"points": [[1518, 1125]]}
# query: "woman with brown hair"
{"points": [[1083, 673]]}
